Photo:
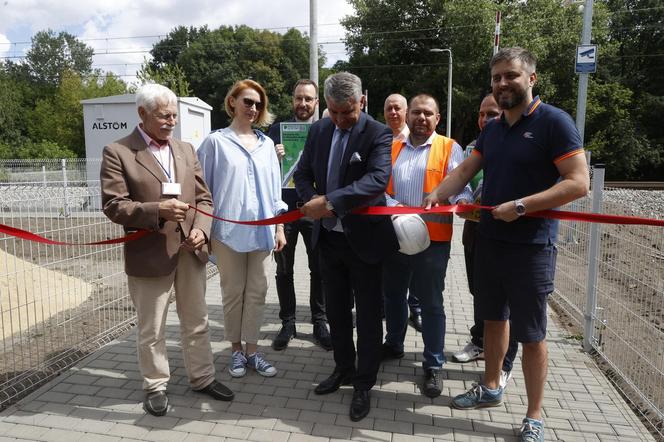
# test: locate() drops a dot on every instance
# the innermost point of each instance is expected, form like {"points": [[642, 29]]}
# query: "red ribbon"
{"points": [[24, 234], [294, 215]]}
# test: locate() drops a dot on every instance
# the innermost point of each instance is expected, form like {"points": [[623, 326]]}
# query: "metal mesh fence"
{"points": [[46, 172], [57, 302], [628, 321]]}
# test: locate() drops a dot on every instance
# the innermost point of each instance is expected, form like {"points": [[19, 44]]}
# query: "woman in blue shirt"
{"points": [[242, 171]]}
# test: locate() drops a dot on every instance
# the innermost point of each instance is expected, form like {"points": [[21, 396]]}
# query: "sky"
{"points": [[122, 32]]}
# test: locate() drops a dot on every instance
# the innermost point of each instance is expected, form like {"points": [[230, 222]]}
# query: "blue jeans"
{"points": [[424, 275]]}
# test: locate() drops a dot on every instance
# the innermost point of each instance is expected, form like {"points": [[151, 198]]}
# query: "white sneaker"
{"points": [[505, 377], [469, 353]]}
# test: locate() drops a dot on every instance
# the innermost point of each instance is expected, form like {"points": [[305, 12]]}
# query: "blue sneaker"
{"points": [[478, 397], [261, 366], [532, 430], [238, 366]]}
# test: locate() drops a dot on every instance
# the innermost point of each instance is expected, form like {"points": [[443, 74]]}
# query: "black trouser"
{"points": [[284, 276], [469, 240], [346, 278]]}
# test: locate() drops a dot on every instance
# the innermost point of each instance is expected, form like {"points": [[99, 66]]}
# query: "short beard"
{"points": [[518, 97], [307, 116]]}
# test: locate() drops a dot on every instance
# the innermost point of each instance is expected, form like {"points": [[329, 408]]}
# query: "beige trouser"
{"points": [[243, 289], [150, 297]]}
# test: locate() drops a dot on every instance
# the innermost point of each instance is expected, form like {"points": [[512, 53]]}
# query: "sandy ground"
{"points": [[30, 294]]}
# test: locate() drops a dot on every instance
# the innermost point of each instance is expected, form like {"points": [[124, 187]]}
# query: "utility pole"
{"points": [[582, 95], [313, 45], [496, 35]]}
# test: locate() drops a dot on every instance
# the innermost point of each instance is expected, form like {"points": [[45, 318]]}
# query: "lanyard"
{"points": [[166, 171]]}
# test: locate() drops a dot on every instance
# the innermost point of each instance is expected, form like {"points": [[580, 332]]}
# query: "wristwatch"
{"points": [[328, 205], [519, 207]]}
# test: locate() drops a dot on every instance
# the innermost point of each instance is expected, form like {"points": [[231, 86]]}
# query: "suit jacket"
{"points": [[365, 170], [131, 180]]}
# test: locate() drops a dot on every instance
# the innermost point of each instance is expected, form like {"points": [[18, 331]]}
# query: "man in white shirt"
{"points": [[394, 112]]}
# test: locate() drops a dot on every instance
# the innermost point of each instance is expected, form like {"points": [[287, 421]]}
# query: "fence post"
{"points": [[44, 175], [593, 262], [65, 210]]}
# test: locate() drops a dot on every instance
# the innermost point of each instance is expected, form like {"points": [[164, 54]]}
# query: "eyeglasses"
{"points": [[248, 103], [304, 98], [166, 117]]}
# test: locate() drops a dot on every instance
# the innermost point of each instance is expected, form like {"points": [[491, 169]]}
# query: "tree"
{"points": [[11, 111], [50, 55], [389, 41], [637, 33], [171, 75], [59, 118], [212, 60]]}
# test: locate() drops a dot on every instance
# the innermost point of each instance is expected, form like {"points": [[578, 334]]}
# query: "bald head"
{"points": [[489, 110], [394, 112]]}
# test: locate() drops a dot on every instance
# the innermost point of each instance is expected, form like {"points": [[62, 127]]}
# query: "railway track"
{"points": [[640, 185]]}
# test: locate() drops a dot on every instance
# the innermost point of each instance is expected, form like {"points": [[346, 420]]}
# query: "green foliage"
{"points": [[389, 44], [31, 150], [12, 119], [52, 54], [615, 140], [59, 118], [171, 75], [212, 60]]}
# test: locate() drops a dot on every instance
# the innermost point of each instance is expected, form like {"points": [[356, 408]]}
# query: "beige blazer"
{"points": [[131, 180]]}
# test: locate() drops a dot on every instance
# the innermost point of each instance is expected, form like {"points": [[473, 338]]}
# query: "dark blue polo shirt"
{"points": [[521, 160]]}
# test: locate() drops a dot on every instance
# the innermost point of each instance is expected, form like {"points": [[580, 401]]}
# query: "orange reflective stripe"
{"points": [[568, 154]]}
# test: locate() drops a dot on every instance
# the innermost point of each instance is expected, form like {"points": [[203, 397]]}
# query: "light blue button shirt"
{"points": [[409, 169], [245, 186]]}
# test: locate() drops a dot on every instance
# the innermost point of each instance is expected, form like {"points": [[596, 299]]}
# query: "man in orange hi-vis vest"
{"points": [[419, 164]]}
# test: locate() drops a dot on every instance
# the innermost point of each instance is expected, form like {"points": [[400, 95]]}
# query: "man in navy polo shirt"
{"points": [[532, 159]]}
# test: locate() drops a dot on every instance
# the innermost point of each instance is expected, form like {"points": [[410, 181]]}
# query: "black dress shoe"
{"points": [[360, 405], [284, 336], [389, 352], [218, 391], [433, 383], [332, 384], [156, 403], [416, 321], [322, 335]]}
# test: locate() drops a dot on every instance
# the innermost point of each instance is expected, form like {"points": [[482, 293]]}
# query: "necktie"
{"points": [[336, 154]]}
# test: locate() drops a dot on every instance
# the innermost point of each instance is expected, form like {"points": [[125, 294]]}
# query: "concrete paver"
{"points": [[100, 398]]}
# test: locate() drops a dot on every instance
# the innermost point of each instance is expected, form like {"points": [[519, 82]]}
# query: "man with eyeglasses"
{"points": [[305, 100], [148, 181]]}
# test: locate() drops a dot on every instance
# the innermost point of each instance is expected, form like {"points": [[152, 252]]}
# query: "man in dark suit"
{"points": [[346, 164], [148, 181]]}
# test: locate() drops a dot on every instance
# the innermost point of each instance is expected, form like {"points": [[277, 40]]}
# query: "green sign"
{"points": [[293, 137]]}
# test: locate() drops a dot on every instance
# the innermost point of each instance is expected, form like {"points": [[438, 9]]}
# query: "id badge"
{"points": [[171, 189]]}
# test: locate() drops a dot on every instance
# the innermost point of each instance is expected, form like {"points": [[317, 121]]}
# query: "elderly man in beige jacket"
{"points": [[148, 181]]}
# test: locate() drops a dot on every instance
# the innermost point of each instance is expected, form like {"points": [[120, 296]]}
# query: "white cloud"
{"points": [[115, 26], [5, 46]]}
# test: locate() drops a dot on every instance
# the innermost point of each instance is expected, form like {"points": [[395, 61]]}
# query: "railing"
{"points": [[610, 284], [57, 303], [60, 303]]}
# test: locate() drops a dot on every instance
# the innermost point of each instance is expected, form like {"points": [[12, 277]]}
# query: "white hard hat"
{"points": [[411, 232]]}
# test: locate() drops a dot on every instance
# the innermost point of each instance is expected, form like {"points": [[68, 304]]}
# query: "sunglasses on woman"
{"points": [[248, 103]]}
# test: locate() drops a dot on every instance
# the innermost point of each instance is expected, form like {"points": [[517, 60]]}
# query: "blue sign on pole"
{"points": [[586, 59]]}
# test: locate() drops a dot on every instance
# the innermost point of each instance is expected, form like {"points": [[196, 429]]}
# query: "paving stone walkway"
{"points": [[100, 398]]}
